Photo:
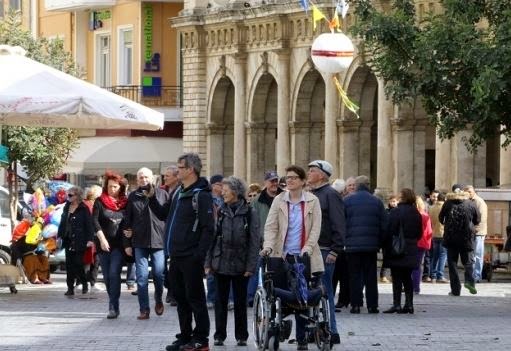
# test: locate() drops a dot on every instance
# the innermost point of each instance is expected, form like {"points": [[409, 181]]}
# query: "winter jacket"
{"points": [[109, 222], [147, 228], [181, 213], [262, 204], [333, 223], [275, 229], [438, 228], [81, 229], [409, 217], [236, 244], [366, 221], [459, 235], [425, 240]]}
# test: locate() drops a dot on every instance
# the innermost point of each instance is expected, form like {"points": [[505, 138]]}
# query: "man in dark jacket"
{"points": [[331, 237], [189, 233], [366, 221], [459, 217], [261, 204], [145, 235]]}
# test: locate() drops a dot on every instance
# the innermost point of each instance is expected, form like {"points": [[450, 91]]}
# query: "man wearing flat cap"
{"points": [[331, 237]]}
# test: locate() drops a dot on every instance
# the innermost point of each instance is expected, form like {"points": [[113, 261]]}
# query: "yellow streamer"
{"points": [[350, 105], [317, 16]]}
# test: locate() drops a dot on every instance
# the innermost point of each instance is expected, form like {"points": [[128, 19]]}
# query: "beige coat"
{"points": [[482, 227], [276, 228], [434, 211]]}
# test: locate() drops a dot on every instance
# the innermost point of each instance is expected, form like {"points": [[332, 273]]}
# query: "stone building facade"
{"points": [[253, 101]]}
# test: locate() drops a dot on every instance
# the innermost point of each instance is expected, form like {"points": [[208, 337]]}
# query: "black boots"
{"points": [[408, 307], [393, 309]]}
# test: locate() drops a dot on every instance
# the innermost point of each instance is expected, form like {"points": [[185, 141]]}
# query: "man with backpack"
{"points": [[459, 217], [189, 232]]}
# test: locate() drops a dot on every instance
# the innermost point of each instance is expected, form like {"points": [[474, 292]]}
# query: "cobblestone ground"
{"points": [[42, 318]]}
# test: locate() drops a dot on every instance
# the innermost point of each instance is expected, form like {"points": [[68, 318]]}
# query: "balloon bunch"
{"points": [[41, 229]]}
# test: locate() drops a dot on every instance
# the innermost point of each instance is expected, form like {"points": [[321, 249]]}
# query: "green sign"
{"points": [[148, 31], [4, 154]]}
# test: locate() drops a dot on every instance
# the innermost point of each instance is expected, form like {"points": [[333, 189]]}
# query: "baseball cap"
{"points": [[323, 165], [270, 175], [217, 178]]}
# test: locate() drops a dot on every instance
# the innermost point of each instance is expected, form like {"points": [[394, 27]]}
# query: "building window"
{"points": [[125, 57], [103, 60], [14, 5]]}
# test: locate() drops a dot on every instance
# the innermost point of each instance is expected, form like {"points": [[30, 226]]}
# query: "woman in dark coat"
{"points": [[233, 258], [77, 233], [407, 216], [108, 213]]}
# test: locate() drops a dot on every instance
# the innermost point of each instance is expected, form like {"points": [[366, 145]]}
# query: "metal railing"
{"points": [[154, 96]]}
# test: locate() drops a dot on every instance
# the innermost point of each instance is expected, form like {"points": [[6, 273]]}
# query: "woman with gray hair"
{"points": [[232, 258], [77, 233]]}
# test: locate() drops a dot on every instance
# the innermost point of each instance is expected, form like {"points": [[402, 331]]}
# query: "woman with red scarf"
{"points": [[108, 213]]}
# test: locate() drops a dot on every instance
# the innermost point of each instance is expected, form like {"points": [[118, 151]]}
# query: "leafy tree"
{"points": [[41, 151], [457, 61]]}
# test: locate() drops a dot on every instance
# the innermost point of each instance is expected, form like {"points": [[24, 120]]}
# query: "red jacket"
{"points": [[427, 232]]}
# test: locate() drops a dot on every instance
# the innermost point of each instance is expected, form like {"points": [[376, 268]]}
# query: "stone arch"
{"points": [[220, 133], [362, 88], [308, 111], [262, 127]]}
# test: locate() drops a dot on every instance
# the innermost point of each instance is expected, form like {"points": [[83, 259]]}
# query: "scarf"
{"points": [[113, 204]]}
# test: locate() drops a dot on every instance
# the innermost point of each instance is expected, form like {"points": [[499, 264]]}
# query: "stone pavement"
{"points": [[42, 318]]}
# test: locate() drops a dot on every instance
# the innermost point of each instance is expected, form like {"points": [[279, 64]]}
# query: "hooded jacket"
{"points": [[181, 213], [461, 237]]}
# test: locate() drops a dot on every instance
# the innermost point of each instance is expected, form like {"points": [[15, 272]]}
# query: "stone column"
{"points": [[419, 156], [331, 108], [239, 152], [283, 113], [470, 166], [403, 153], [364, 148], [214, 143], [505, 163], [443, 164], [300, 143], [384, 165], [348, 148]]}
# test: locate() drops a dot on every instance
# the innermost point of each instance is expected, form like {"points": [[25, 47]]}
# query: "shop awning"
{"points": [[123, 154]]}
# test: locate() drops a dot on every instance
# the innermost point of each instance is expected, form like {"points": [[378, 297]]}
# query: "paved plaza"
{"points": [[42, 318]]}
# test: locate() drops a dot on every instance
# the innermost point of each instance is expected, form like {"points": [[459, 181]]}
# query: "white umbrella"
{"points": [[33, 94]]}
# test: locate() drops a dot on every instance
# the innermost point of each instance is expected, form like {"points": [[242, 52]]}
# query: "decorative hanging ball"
{"points": [[332, 52]]}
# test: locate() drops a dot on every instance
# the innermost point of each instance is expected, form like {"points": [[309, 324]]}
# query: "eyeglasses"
{"points": [[182, 167], [70, 195], [292, 177]]}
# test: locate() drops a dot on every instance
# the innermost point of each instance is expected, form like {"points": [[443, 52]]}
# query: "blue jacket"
{"points": [[366, 222]]}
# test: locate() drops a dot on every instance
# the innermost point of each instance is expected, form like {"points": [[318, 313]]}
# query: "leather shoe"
{"points": [[373, 310], [393, 309], [158, 308], [143, 316], [218, 342], [242, 342], [355, 309], [406, 309]]}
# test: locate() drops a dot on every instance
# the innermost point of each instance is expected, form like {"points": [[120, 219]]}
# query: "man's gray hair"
{"points": [[192, 160], [237, 186], [362, 180], [173, 169], [146, 171]]}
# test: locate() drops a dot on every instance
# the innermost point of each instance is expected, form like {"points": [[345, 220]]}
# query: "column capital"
{"points": [[349, 125], [400, 124]]}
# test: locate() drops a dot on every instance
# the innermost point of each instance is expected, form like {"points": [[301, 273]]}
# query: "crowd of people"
{"points": [[191, 228]]}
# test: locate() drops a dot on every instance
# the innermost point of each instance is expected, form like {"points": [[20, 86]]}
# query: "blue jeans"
{"points": [[111, 266], [131, 274], [253, 281], [438, 259], [327, 282], [142, 266], [478, 258]]}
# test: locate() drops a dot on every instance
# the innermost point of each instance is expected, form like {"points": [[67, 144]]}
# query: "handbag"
{"points": [[398, 244]]}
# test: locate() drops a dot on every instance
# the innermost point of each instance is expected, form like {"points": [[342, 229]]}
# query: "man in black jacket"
{"points": [[189, 233], [331, 237], [145, 235]]}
